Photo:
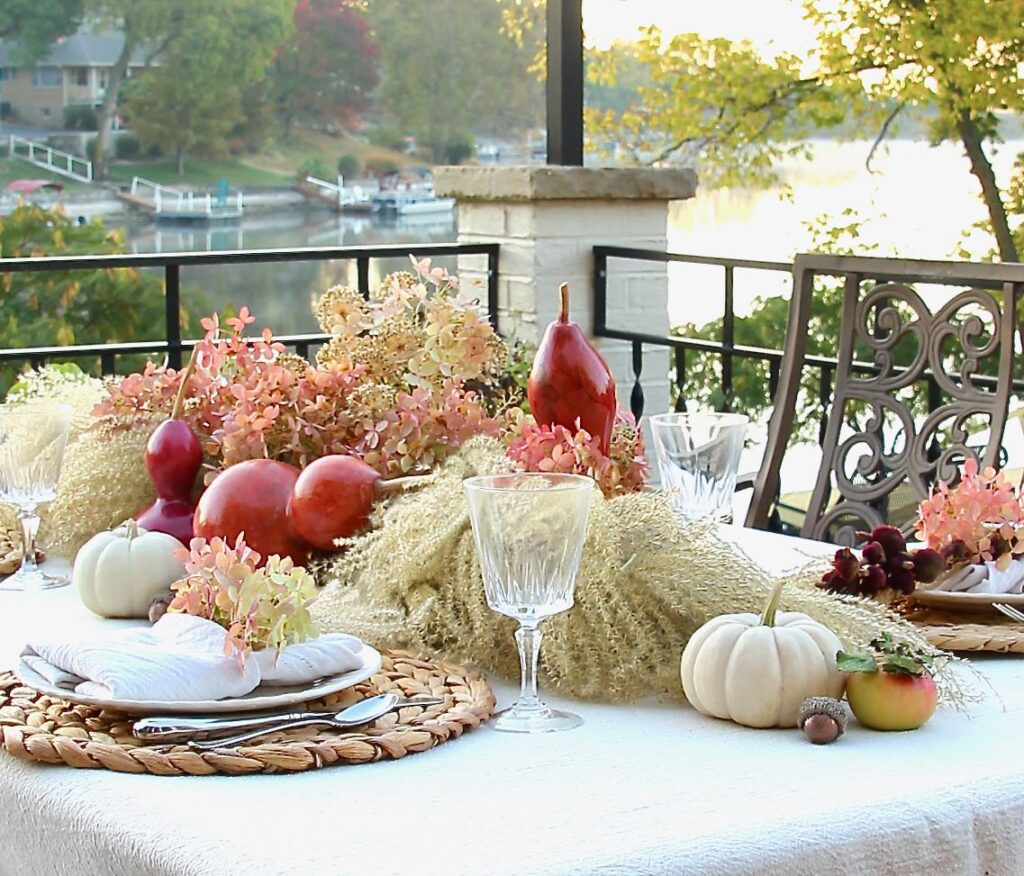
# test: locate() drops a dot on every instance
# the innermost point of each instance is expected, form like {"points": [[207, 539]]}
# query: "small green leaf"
{"points": [[903, 665], [860, 661]]}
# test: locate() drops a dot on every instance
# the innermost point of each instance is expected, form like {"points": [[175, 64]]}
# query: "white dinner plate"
{"points": [[266, 696], [972, 602]]}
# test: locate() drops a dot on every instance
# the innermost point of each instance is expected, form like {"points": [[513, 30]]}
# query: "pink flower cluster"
{"points": [[557, 449], [978, 520], [248, 399], [259, 606]]}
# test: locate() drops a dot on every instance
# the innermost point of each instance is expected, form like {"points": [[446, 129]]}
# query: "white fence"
{"points": [[48, 158]]}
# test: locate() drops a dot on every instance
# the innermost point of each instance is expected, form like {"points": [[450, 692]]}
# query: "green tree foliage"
{"points": [[72, 307], [149, 27], [193, 100], [33, 25], [765, 327], [720, 104], [448, 67], [327, 69]]}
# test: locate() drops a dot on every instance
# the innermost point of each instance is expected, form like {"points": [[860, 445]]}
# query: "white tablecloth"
{"points": [[651, 789]]}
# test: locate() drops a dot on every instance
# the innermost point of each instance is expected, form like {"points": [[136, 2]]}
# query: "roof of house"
{"points": [[84, 48]]}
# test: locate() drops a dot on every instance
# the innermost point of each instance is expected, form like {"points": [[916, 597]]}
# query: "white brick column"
{"points": [[548, 220]]}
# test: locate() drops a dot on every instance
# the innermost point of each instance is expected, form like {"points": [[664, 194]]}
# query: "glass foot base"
{"points": [[535, 719], [34, 580]]}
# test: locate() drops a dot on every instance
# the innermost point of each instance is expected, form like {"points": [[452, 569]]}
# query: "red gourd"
{"points": [[251, 499], [570, 380], [173, 458], [333, 498]]}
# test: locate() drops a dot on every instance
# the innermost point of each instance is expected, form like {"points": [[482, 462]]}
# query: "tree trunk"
{"points": [[179, 155], [105, 118], [981, 167]]}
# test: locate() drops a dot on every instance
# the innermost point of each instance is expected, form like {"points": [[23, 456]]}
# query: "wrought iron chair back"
{"points": [[880, 451]]}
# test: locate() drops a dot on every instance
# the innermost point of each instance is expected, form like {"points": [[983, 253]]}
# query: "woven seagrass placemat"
{"points": [[974, 632], [42, 728]]}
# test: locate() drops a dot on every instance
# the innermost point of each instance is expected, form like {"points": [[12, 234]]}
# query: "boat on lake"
{"points": [[408, 202]]}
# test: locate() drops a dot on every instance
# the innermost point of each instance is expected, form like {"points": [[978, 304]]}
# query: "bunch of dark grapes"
{"points": [[884, 563]]}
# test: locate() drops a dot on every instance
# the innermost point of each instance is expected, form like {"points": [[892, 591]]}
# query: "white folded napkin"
{"points": [[984, 578], [181, 659]]}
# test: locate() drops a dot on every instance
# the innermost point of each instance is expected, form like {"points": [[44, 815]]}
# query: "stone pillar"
{"points": [[547, 220]]}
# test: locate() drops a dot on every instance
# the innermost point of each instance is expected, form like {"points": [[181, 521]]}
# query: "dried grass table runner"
{"points": [[959, 632], [49, 730]]}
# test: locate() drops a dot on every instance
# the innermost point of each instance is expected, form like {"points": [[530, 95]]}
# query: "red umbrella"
{"points": [[28, 186]]}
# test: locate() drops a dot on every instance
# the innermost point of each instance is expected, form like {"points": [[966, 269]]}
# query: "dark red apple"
{"points": [[252, 498]]}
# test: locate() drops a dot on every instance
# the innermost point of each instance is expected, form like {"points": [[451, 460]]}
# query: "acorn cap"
{"points": [[822, 706]]}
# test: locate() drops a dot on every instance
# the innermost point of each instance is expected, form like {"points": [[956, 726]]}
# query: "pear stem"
{"points": [[563, 293], [768, 615], [398, 485], [179, 399]]}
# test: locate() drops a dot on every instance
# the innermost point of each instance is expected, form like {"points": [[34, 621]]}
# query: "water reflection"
{"points": [[281, 295]]}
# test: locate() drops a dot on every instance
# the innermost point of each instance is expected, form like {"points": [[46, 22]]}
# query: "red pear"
{"points": [[570, 381], [173, 458]]}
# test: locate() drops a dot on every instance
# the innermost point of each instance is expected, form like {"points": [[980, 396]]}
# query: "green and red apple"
{"points": [[891, 687]]}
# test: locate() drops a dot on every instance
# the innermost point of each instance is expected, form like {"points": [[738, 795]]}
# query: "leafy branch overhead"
{"points": [[721, 105]]}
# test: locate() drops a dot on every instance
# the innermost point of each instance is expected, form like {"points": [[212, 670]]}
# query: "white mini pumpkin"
{"points": [[757, 670], [118, 573]]}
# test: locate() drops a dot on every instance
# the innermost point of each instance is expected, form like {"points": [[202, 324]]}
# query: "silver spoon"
{"points": [[362, 712], [177, 728]]}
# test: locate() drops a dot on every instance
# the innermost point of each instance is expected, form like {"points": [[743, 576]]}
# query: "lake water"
{"points": [[917, 203]]}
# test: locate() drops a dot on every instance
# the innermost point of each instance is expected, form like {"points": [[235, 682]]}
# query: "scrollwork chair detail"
{"points": [[886, 447]]}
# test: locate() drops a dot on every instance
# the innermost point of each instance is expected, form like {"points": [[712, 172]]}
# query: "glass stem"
{"points": [[528, 638], [29, 521]]}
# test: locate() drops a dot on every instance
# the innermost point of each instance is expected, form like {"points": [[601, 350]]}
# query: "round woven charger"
{"points": [[953, 632], [42, 728]]}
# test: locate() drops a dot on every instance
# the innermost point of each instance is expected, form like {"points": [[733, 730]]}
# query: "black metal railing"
{"points": [[727, 347], [172, 345]]}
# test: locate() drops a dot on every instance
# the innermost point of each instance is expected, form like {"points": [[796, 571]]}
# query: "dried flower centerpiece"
{"points": [[389, 387]]}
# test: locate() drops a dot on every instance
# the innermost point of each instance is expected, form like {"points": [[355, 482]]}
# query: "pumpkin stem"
{"points": [[131, 529], [768, 615], [179, 399]]}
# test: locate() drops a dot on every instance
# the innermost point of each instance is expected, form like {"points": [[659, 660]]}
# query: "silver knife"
{"points": [[175, 728]]}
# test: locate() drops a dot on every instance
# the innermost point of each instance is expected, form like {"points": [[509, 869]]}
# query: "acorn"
{"points": [[159, 605], [822, 719]]}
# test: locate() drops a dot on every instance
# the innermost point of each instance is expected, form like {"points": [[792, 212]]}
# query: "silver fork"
{"points": [[1012, 613]]}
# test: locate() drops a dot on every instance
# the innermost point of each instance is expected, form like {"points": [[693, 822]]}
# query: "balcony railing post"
{"points": [[636, 397], [728, 339], [363, 276], [172, 313], [492, 285], [600, 291], [565, 82], [680, 405]]}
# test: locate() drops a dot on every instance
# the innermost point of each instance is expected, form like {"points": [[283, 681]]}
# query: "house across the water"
{"points": [[73, 74]]}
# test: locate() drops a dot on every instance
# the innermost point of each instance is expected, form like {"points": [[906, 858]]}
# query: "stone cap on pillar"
{"points": [[558, 183]]}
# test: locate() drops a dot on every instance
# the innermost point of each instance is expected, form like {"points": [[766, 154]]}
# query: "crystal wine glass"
{"points": [[529, 531], [32, 440], [698, 460]]}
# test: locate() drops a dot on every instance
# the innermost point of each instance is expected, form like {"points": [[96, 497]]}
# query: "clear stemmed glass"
{"points": [[698, 459], [32, 440], [529, 531]]}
